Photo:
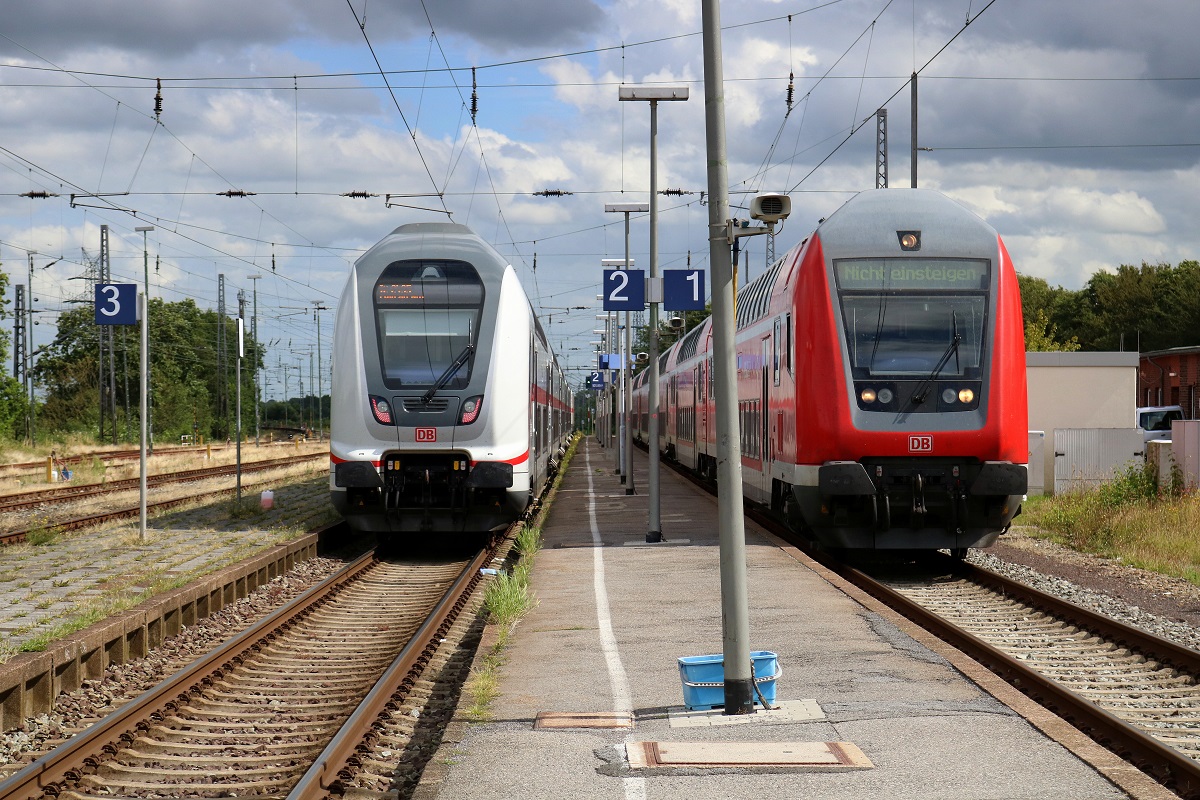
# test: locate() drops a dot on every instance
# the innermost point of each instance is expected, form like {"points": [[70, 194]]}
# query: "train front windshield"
{"points": [[427, 313], [907, 317]]}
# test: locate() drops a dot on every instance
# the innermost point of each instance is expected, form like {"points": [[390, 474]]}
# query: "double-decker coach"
{"points": [[881, 380], [449, 408]]}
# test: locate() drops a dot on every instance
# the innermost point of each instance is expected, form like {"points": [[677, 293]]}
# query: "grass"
{"points": [[1131, 519], [506, 600]]}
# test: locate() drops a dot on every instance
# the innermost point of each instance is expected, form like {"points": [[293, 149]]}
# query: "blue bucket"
{"points": [[703, 679]]}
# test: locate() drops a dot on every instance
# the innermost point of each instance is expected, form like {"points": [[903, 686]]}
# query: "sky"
{"points": [[1070, 126]]}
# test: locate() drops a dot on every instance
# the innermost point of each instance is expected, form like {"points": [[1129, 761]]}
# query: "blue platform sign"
{"points": [[683, 289], [116, 304], [596, 380], [624, 290]]}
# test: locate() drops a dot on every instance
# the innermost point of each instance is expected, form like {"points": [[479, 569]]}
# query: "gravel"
{"points": [[121, 683], [1167, 607]]}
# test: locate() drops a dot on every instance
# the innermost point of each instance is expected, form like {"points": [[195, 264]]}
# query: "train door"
{"points": [[531, 409], [763, 421], [696, 389]]}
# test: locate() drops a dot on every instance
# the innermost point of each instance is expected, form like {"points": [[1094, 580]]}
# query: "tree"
{"points": [[1041, 335], [185, 382]]}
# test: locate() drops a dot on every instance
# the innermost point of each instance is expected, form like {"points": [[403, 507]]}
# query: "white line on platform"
{"points": [[635, 788]]}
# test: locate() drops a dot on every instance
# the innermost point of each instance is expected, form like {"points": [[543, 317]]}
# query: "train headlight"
{"points": [[470, 410], [885, 396], [381, 410], [966, 396], [868, 395], [949, 396]]}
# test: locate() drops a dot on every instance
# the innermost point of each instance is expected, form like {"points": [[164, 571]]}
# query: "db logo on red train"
{"points": [[426, 434], [916, 444]]}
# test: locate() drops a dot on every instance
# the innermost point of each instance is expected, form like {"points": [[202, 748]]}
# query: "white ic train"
{"points": [[449, 409]]}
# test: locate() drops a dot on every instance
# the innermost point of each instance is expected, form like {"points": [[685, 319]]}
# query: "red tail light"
{"points": [[470, 410], [381, 410]]}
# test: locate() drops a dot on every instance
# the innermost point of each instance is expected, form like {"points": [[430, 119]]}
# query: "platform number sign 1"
{"points": [[116, 304], [683, 289], [624, 290]]}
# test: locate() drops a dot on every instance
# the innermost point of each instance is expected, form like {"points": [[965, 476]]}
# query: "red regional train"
{"points": [[881, 381]]}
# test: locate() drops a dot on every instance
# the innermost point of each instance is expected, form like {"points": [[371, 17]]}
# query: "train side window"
{"points": [[788, 347], [775, 348]]}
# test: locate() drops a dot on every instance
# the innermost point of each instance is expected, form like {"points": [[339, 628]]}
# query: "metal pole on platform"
{"points": [[144, 392], [739, 676], [627, 350], [654, 94]]}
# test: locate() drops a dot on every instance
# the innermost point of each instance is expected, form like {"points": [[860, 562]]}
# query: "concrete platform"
{"points": [[871, 707]]}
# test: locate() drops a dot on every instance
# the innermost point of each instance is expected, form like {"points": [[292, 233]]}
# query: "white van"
{"points": [[1156, 421]]}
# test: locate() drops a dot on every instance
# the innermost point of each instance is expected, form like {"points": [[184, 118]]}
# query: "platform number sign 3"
{"points": [[624, 290], [116, 304]]}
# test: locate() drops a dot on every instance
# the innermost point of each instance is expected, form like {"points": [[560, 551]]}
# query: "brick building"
{"points": [[1171, 377]]}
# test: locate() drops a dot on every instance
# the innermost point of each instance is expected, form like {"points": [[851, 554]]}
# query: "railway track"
{"points": [[286, 708], [1135, 693], [29, 500], [25, 500], [1131, 691], [107, 456]]}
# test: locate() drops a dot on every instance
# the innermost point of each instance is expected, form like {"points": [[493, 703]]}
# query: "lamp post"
{"points": [[653, 94], [318, 307], [626, 350], [627, 356], [597, 396], [29, 350], [147, 432]]}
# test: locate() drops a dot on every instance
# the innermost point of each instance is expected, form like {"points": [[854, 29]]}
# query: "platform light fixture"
{"points": [[653, 95]]}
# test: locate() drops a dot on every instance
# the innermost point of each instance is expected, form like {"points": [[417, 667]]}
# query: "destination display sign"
{"points": [[436, 293], [911, 273]]}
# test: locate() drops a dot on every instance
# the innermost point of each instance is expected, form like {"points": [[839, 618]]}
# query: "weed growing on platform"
{"points": [[40, 537], [483, 687], [529, 542], [507, 599]]}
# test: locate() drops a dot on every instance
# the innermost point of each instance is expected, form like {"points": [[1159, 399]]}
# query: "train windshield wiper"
{"points": [[454, 367], [918, 397]]}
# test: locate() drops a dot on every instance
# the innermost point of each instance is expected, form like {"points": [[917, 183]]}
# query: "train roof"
{"points": [[434, 240], [867, 225], [431, 228]]}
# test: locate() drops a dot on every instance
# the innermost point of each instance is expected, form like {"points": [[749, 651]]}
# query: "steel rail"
{"points": [[71, 760], [13, 537], [106, 455], [16, 502], [331, 768], [1164, 763]]}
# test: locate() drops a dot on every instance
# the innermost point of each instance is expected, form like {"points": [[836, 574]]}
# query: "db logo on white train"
{"points": [[916, 444], [426, 434]]}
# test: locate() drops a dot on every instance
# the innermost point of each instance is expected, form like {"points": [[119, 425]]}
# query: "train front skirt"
{"points": [[909, 504], [423, 492]]}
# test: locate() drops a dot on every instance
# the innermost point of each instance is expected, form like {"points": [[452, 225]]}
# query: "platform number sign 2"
{"points": [[624, 290], [116, 304]]}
